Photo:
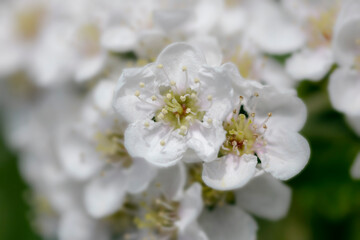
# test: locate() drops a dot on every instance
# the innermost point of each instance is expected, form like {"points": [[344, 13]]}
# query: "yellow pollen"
{"points": [[142, 84], [162, 143], [137, 93], [153, 98], [146, 124]]}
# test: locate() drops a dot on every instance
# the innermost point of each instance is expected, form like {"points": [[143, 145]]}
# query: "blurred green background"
{"points": [[325, 204]]}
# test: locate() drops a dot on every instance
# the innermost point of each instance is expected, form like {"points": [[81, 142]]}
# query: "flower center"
{"points": [[180, 110], [111, 145], [244, 61], [28, 22], [89, 39], [321, 27], [160, 216], [243, 135]]}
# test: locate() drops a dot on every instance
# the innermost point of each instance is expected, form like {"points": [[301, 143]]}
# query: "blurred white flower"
{"points": [[174, 104], [261, 135], [317, 19]]}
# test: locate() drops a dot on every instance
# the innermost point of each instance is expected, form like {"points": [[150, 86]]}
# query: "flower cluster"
{"points": [[154, 119]]}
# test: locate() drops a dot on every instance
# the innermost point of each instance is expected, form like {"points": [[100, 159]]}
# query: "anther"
{"points": [[241, 98], [164, 111], [146, 124], [183, 98], [264, 126], [193, 95], [196, 80], [172, 83], [188, 110], [252, 115], [184, 68], [168, 96], [269, 114], [234, 111], [209, 98], [256, 94], [161, 116], [209, 121], [162, 143], [141, 84], [160, 66], [137, 93], [153, 98], [188, 118], [234, 143]]}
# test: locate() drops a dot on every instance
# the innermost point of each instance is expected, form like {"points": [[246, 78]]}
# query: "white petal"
{"points": [[193, 232], [216, 82], [146, 142], [265, 197], [275, 32], [288, 111], [119, 39], [139, 175], [151, 42], [105, 194], [274, 74], [78, 226], [126, 103], [344, 88], [190, 207], [355, 168], [347, 33], [210, 47], [354, 122], [286, 153], [89, 68], [103, 94], [229, 172], [169, 20], [174, 58], [171, 182], [312, 64], [228, 222], [78, 156], [206, 141]]}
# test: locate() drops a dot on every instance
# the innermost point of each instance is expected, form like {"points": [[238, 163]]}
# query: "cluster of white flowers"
{"points": [[163, 119]]}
